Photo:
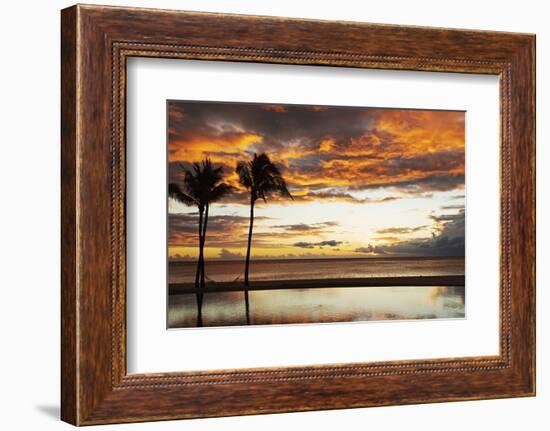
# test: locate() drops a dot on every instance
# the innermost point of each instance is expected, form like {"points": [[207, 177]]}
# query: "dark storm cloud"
{"points": [[303, 227], [447, 217], [328, 243], [289, 123], [449, 242], [430, 183], [294, 231], [335, 195], [448, 160], [222, 231], [400, 230], [321, 147], [452, 207]]}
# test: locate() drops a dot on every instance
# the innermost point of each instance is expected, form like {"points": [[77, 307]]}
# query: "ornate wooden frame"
{"points": [[96, 41]]}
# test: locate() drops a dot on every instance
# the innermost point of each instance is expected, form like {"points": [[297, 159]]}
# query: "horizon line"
{"points": [[317, 258]]}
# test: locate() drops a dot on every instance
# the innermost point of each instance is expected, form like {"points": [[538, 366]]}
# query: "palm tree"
{"points": [[262, 179], [201, 186]]}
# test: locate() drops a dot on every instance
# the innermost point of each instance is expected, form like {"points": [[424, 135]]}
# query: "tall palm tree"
{"points": [[261, 177], [201, 186]]}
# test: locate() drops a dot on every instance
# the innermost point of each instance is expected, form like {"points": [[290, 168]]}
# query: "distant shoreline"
{"points": [[237, 286], [298, 259]]}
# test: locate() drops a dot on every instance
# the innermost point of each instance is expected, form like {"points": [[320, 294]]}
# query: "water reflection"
{"points": [[319, 305]]}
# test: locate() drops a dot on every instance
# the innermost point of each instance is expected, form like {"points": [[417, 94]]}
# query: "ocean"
{"points": [[312, 269], [318, 304]]}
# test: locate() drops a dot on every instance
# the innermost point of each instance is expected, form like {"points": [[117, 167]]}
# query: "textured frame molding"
{"points": [[96, 41]]}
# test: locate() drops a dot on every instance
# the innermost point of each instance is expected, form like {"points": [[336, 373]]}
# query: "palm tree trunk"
{"points": [[199, 270], [204, 225], [247, 263], [198, 273]]}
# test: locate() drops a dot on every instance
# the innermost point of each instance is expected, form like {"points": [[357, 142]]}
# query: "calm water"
{"points": [[307, 269], [319, 305]]}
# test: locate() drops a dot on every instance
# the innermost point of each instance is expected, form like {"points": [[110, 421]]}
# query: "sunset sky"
{"points": [[365, 181]]}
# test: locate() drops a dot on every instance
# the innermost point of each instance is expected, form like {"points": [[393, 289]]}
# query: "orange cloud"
{"points": [[326, 145], [215, 147], [396, 148], [422, 131]]}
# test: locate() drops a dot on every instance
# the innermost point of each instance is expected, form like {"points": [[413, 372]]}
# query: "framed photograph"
{"points": [[266, 215], [304, 214]]}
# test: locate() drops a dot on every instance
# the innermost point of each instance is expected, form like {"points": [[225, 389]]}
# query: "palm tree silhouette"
{"points": [[201, 186], [262, 179]]}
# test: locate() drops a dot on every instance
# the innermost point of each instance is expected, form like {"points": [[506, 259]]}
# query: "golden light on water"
{"points": [[322, 306]]}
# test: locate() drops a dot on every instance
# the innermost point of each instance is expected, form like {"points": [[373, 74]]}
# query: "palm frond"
{"points": [[245, 174], [220, 191], [262, 177], [175, 193]]}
